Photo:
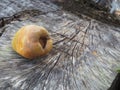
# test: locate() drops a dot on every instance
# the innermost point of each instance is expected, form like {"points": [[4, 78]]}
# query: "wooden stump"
{"points": [[85, 55]]}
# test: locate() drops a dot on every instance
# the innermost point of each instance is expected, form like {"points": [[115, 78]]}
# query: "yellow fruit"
{"points": [[32, 41]]}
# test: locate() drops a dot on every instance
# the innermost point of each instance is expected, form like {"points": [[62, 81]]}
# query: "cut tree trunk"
{"points": [[85, 55]]}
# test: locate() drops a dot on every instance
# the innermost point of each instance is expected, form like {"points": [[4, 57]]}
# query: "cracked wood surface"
{"points": [[85, 55]]}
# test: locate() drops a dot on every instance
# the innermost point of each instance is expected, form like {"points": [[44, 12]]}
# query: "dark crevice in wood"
{"points": [[83, 41], [1, 22], [17, 16], [47, 75], [35, 78], [72, 40], [73, 66]]}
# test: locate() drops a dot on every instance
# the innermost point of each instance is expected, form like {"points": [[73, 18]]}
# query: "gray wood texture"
{"points": [[85, 55]]}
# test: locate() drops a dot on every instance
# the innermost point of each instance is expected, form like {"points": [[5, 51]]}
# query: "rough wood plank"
{"points": [[85, 54]]}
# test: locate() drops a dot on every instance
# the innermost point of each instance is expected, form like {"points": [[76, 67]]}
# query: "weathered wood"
{"points": [[85, 55]]}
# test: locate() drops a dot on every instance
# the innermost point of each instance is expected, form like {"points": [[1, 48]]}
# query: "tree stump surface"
{"points": [[85, 55]]}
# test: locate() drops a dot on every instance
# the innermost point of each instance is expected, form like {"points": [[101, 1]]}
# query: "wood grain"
{"points": [[85, 55]]}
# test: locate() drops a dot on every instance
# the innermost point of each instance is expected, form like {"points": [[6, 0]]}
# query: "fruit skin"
{"points": [[32, 41]]}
